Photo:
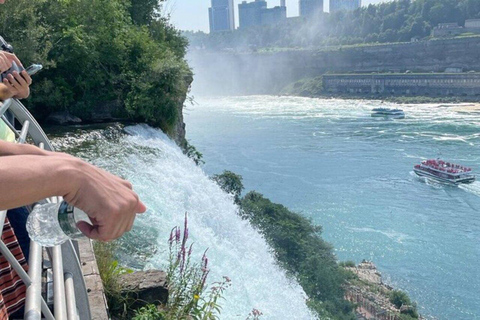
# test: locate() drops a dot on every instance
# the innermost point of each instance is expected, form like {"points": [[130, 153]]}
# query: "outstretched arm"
{"points": [[13, 149], [108, 200]]}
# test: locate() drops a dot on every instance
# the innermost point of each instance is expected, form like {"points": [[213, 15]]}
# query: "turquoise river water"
{"points": [[351, 173]]}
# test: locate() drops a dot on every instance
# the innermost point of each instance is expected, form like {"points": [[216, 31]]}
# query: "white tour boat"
{"points": [[444, 171], [388, 113]]}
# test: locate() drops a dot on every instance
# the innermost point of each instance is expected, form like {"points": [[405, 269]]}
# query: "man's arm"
{"points": [[4, 92], [108, 200], [14, 149]]}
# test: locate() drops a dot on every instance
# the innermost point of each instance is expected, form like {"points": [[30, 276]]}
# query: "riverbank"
{"points": [[373, 298]]}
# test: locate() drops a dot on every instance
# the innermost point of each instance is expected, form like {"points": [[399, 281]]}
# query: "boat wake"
{"points": [[473, 187], [430, 182]]}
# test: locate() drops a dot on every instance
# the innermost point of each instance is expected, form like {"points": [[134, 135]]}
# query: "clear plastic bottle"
{"points": [[51, 224]]}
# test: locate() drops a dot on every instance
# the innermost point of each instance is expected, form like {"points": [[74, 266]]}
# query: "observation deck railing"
{"points": [[70, 298]]}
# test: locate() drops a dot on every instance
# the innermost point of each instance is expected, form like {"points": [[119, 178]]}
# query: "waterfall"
{"points": [[170, 184]]}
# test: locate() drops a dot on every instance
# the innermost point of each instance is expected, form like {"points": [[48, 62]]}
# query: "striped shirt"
{"points": [[12, 288]]}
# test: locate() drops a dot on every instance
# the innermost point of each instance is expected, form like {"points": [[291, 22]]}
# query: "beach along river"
{"points": [[352, 174]]}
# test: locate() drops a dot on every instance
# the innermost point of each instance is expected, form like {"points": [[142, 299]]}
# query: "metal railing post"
{"points": [[70, 297]]}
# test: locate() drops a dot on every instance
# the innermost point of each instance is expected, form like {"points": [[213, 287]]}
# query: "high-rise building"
{"points": [[250, 14], [348, 5], [274, 15], [310, 7], [221, 15], [256, 13]]}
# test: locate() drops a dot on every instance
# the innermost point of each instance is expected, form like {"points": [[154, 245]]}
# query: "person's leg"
{"points": [[18, 220]]}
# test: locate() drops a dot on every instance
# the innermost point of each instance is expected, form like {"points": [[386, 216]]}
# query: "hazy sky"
{"points": [[193, 14]]}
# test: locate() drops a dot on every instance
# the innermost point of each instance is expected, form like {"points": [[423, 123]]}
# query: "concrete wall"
{"points": [[407, 84], [262, 73]]}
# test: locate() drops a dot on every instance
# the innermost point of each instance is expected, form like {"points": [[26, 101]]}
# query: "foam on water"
{"points": [[170, 184], [471, 187]]}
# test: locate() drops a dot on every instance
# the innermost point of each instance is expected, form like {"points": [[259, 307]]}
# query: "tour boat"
{"points": [[388, 113], [444, 171]]}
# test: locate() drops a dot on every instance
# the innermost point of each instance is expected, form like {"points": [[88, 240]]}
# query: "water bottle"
{"points": [[51, 224]]}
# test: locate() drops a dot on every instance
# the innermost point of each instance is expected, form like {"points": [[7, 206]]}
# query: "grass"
{"points": [[110, 271]]}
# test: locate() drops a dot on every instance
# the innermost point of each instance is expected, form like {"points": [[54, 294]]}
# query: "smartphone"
{"points": [[33, 69]]}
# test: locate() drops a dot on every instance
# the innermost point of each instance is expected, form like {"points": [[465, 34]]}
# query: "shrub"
{"points": [[110, 270], [300, 249], [347, 264], [399, 298], [231, 183]]}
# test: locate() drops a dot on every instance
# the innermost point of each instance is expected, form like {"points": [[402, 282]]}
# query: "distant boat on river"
{"points": [[388, 113], [444, 171]]}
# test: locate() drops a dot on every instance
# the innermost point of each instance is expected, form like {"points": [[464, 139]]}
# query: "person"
{"points": [[29, 174], [15, 85]]}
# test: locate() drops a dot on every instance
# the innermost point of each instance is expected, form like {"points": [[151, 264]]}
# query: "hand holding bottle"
{"points": [[108, 200]]}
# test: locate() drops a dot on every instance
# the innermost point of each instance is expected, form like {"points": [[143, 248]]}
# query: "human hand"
{"points": [[6, 59], [18, 84], [108, 200]]}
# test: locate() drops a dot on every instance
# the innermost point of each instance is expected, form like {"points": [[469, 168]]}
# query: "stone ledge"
{"points": [[96, 294], [147, 287]]}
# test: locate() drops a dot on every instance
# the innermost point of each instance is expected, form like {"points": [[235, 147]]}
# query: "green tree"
{"points": [[231, 183], [101, 57]]}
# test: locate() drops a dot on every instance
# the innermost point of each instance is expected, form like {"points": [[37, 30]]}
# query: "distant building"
{"points": [[221, 15], [256, 13], [347, 5], [472, 23], [453, 29], [250, 14], [274, 15], [310, 7]]}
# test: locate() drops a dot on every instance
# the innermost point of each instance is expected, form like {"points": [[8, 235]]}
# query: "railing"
{"points": [[70, 299]]}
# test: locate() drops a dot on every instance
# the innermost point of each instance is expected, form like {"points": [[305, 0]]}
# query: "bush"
{"points": [[300, 249], [110, 270], [100, 57], [347, 264], [399, 298], [231, 183]]}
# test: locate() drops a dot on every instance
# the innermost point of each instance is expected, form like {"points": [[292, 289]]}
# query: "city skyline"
{"points": [[193, 14]]}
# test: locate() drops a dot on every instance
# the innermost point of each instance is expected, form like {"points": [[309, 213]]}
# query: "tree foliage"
{"points": [[99, 56], [393, 21], [231, 183]]}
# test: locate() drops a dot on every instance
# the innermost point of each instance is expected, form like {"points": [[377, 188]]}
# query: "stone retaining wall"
{"points": [[405, 84]]}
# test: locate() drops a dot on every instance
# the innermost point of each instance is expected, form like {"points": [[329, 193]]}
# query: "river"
{"points": [[352, 174]]}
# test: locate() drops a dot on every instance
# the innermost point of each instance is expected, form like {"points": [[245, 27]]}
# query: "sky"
{"points": [[193, 14]]}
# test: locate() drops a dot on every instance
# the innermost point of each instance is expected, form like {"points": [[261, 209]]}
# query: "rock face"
{"points": [[147, 287], [63, 117], [178, 133]]}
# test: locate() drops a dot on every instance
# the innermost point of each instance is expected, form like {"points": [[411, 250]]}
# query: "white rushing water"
{"points": [[170, 184]]}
